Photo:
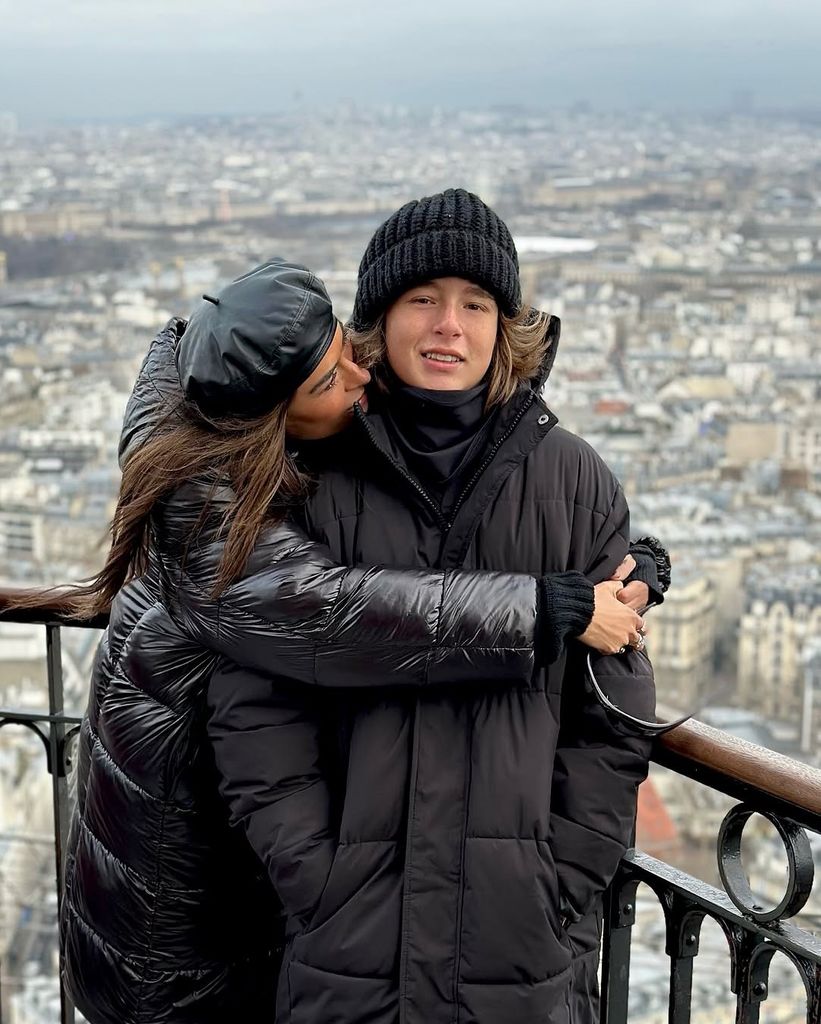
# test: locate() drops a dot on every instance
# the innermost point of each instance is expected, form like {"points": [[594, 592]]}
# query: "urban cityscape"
{"points": [[683, 256]]}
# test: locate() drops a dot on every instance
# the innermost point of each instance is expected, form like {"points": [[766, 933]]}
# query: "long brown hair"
{"points": [[521, 342], [248, 455]]}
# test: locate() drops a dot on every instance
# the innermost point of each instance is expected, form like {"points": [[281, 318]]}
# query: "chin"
{"points": [[443, 382]]}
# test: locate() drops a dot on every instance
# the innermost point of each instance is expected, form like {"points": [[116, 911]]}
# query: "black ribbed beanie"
{"points": [[451, 234]]}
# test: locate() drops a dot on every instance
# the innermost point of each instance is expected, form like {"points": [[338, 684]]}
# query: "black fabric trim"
{"points": [[662, 557]]}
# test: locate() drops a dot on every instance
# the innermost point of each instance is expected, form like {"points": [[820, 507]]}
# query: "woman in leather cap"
{"points": [[214, 593]]}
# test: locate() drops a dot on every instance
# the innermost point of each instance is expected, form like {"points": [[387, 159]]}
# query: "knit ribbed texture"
{"points": [[646, 571], [452, 234], [662, 557], [566, 602]]}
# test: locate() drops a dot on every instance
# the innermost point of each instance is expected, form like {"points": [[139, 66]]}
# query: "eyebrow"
{"points": [[476, 289]]}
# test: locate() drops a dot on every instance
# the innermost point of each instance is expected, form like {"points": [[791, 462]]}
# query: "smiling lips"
{"points": [[443, 360]]}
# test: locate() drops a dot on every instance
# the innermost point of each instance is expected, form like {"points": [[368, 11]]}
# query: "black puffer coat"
{"points": [[468, 823], [168, 916]]}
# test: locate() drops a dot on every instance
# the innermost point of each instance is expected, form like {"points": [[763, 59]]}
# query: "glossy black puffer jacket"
{"points": [[168, 918]]}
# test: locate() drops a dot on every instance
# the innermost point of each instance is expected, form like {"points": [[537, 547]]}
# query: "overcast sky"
{"points": [[110, 58]]}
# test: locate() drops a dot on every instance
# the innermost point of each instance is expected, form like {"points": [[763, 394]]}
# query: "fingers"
{"points": [[630, 634], [614, 625], [635, 595], [624, 570], [611, 587], [612, 648], [637, 640]]}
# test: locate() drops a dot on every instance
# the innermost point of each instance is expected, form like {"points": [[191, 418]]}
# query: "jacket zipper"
{"points": [[445, 525], [461, 894], [414, 769], [403, 473], [406, 893], [491, 455]]}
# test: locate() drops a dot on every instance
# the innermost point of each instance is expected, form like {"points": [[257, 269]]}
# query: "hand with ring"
{"points": [[613, 623]]}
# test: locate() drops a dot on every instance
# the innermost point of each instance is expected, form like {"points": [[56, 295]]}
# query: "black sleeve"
{"points": [[266, 741], [598, 767], [645, 572], [299, 615], [652, 568]]}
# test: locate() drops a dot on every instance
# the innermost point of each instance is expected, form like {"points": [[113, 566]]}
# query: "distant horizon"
{"points": [[732, 109]]}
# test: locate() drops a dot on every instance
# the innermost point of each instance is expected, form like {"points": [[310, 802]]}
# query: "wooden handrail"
{"points": [[731, 765], [743, 770]]}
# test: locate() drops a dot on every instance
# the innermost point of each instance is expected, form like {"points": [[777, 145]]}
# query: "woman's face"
{"points": [[441, 334], [323, 404]]}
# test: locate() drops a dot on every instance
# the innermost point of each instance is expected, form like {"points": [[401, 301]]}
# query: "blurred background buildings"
{"points": [[683, 254]]}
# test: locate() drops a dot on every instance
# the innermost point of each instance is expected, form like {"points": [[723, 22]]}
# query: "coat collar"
{"points": [[519, 426]]}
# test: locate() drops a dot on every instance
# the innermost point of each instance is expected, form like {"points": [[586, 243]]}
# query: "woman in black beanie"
{"points": [[475, 832]]}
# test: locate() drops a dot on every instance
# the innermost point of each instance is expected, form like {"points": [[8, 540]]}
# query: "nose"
{"points": [[355, 375], [448, 324]]}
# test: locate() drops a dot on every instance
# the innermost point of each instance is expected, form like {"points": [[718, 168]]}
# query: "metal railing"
{"points": [[784, 791], [56, 730], [788, 795]]}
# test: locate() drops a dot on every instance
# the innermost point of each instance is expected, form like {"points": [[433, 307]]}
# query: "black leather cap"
{"points": [[253, 343]]}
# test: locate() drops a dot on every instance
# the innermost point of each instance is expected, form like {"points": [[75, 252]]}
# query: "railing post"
{"points": [[619, 918], [59, 783], [813, 983], [683, 932]]}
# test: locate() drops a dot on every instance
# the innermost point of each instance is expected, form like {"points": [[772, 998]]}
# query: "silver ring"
{"points": [[639, 645], [622, 650]]}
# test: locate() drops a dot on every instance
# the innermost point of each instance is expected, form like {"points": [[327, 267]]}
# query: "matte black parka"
{"points": [[463, 827]]}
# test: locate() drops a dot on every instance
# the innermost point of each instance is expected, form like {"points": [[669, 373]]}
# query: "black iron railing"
{"points": [[786, 792], [56, 730]]}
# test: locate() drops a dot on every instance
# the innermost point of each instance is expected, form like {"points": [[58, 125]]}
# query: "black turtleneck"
{"points": [[442, 436], [440, 433]]}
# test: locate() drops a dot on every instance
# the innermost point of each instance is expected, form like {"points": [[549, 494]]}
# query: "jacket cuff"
{"points": [[566, 602], [662, 559], [646, 571]]}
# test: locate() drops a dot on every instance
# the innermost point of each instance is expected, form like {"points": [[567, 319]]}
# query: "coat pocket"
{"points": [[355, 926], [325, 894], [510, 928], [320, 997]]}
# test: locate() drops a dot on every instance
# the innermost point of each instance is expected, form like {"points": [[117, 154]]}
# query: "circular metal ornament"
{"points": [[799, 865]]}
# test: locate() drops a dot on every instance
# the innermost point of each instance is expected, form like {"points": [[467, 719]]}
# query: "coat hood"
{"points": [[552, 334]]}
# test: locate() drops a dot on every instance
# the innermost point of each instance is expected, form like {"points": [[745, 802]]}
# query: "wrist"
{"points": [[566, 603]]}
